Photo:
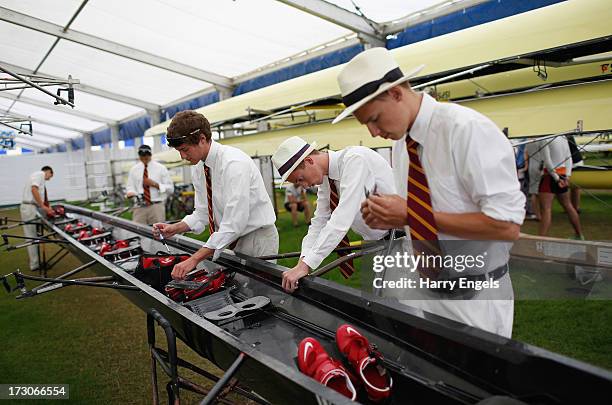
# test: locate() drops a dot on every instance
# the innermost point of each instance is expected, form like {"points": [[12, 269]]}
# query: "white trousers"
{"points": [[28, 213], [486, 311], [491, 309], [150, 215], [260, 242]]}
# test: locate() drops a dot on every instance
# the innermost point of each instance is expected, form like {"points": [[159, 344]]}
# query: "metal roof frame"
{"points": [[58, 31]]}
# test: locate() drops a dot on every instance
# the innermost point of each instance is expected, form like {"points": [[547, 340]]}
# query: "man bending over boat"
{"points": [[230, 195], [344, 177], [456, 177]]}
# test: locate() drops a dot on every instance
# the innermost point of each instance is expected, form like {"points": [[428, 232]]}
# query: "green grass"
{"points": [[595, 217], [95, 340]]}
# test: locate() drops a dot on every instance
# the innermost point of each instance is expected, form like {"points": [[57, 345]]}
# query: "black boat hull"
{"points": [[430, 359]]}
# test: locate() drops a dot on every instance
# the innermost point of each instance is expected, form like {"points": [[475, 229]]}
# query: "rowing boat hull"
{"points": [[431, 359]]}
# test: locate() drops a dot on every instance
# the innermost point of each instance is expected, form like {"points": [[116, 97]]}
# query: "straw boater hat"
{"points": [[367, 75], [289, 155]]}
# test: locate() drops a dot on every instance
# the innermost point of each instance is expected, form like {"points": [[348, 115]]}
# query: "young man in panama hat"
{"points": [[343, 177], [456, 180], [230, 195]]}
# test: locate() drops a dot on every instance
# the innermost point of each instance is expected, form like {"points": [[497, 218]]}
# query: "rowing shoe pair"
{"points": [[365, 361]]}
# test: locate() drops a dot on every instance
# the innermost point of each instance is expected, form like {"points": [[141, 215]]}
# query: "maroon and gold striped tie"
{"points": [[346, 268], [147, 189], [211, 217], [423, 228]]}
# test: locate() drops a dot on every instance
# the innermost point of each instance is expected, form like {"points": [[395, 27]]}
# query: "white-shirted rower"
{"points": [[242, 209], [160, 185], [353, 170], [470, 169], [33, 198]]}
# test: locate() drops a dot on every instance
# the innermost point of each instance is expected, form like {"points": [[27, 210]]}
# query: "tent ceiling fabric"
{"points": [[227, 38], [390, 10]]}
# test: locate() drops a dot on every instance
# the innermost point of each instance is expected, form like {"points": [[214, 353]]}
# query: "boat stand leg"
{"points": [[169, 362], [151, 340], [171, 367], [198, 389], [216, 390]]}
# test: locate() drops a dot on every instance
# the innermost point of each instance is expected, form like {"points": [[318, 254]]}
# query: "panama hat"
{"points": [[367, 75], [290, 154]]}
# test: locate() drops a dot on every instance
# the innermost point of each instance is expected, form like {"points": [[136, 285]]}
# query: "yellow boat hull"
{"points": [[593, 179]]}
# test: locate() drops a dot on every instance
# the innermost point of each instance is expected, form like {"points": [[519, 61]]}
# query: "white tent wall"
{"points": [[67, 182], [264, 164]]}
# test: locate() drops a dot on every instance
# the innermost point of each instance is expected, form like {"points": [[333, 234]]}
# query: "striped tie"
{"points": [[423, 228], [211, 217], [147, 189], [346, 268]]}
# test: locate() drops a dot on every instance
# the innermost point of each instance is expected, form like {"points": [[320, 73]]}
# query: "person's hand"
{"points": [[563, 181], [181, 269], [150, 183], [291, 277], [167, 230], [387, 211], [49, 211], [130, 194]]}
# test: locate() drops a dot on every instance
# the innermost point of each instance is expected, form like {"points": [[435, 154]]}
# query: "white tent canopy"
{"points": [[135, 57]]}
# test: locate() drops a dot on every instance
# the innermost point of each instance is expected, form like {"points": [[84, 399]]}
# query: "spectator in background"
{"points": [[577, 161], [555, 182], [296, 200], [533, 159], [523, 176], [151, 179], [34, 197]]}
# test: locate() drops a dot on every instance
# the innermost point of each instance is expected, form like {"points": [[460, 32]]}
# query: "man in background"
{"points": [[555, 182], [296, 200], [577, 161], [533, 158], [150, 179], [35, 197]]}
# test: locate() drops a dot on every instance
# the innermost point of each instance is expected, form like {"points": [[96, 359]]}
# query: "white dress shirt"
{"points": [[156, 172], [353, 169], [469, 164], [36, 179], [557, 156], [240, 201]]}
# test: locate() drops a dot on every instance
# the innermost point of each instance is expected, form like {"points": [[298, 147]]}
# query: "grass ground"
{"points": [[95, 340]]}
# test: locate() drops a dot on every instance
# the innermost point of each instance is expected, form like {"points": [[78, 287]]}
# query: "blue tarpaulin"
{"points": [[77, 143], [101, 137], [206, 99], [134, 128], [299, 69]]}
